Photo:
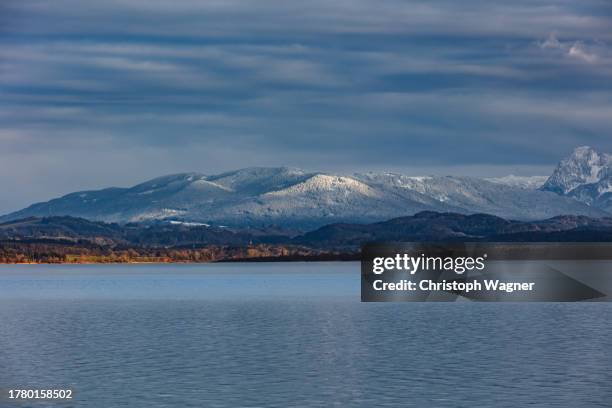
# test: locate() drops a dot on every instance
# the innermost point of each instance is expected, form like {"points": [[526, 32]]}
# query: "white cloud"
{"points": [[551, 42], [573, 49], [579, 51]]}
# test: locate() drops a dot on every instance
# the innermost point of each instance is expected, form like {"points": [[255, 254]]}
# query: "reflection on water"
{"points": [[261, 335]]}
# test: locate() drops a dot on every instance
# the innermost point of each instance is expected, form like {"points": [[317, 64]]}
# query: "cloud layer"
{"points": [[114, 92]]}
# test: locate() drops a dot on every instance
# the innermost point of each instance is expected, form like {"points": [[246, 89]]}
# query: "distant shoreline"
{"points": [[72, 259]]}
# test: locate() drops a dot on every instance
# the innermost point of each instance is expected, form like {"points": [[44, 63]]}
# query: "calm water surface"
{"points": [[287, 335]]}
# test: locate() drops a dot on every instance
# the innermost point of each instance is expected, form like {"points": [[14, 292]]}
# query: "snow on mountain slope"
{"points": [[259, 180], [292, 197], [586, 176], [526, 182], [473, 195], [318, 200], [334, 187]]}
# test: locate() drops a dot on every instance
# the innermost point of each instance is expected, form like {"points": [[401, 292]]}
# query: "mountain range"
{"points": [[295, 199]]}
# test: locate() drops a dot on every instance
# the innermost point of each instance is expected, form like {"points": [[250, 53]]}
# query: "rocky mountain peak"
{"points": [[583, 167]]}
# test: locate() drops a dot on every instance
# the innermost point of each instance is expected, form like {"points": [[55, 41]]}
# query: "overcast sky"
{"points": [[114, 92]]}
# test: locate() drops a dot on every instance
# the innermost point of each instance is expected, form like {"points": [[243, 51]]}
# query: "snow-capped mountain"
{"points": [[292, 197], [585, 176]]}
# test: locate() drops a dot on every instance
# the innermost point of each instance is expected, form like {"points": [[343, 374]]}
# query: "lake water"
{"points": [[287, 335]]}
